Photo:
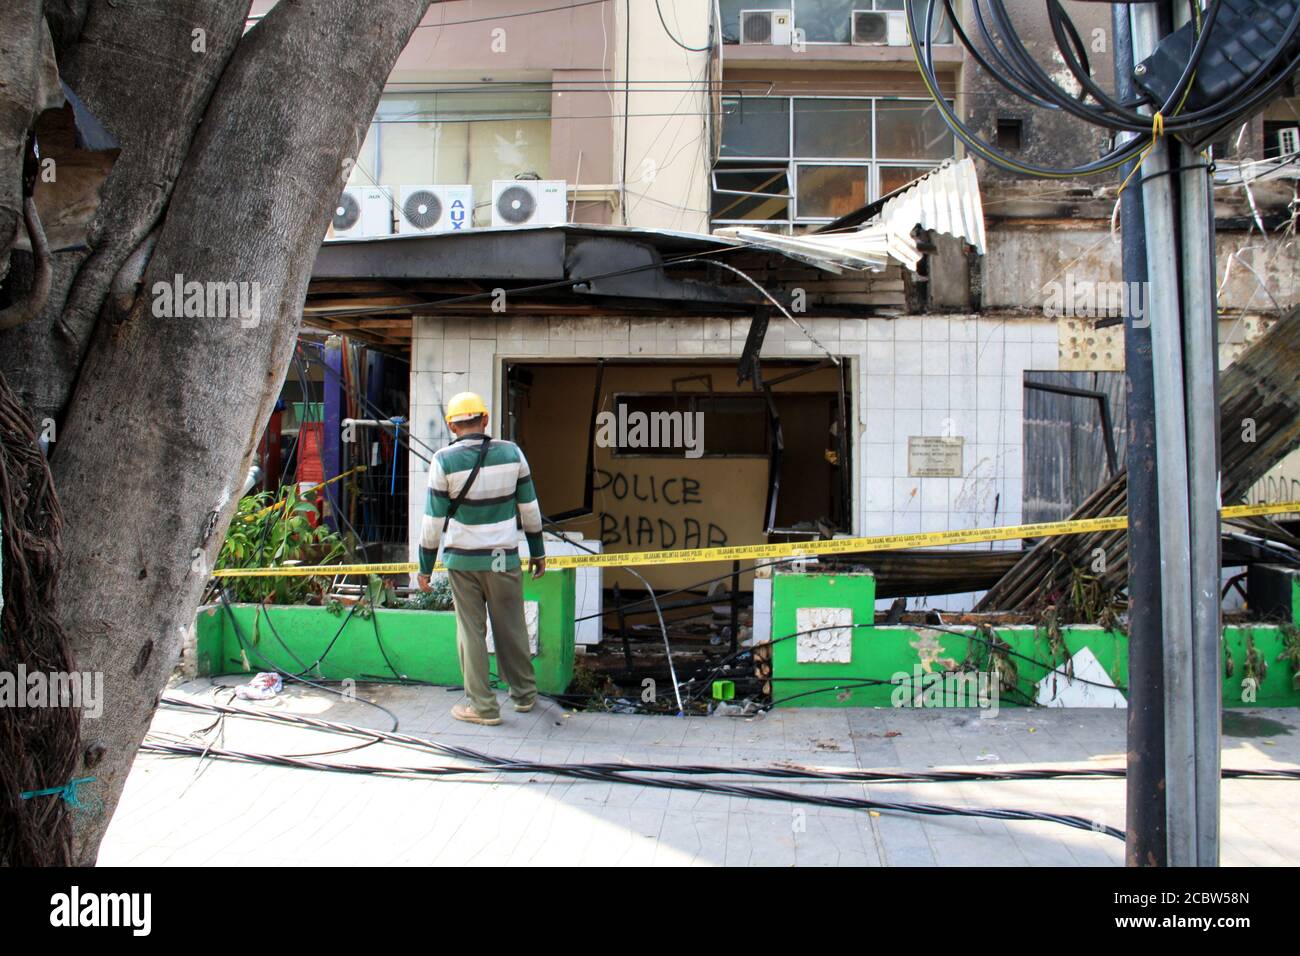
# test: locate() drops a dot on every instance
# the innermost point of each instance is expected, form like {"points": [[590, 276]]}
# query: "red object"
{"points": [[311, 438], [268, 453], [311, 469]]}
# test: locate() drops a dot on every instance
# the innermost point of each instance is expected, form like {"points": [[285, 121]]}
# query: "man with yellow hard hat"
{"points": [[479, 487]]}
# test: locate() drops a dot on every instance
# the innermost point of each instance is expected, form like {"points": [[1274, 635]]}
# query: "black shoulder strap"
{"points": [[469, 481]]}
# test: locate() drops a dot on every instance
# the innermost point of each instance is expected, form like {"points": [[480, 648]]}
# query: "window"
{"points": [[803, 160], [729, 425], [1278, 140], [822, 21], [1010, 133], [458, 136]]}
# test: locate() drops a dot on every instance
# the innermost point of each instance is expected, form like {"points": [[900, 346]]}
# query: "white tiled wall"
{"points": [[959, 375], [916, 375]]}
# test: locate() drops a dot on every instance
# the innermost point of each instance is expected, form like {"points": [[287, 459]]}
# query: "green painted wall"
{"points": [[880, 653], [420, 644]]}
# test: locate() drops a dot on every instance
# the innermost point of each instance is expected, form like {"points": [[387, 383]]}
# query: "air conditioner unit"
{"points": [[1288, 140], [361, 212], [435, 208], [879, 28], [529, 202], [767, 27]]}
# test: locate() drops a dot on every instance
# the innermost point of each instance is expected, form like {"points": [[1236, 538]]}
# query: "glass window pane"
{"points": [[421, 153], [363, 173], [774, 182], [825, 21], [896, 177], [832, 128], [942, 25], [907, 129], [503, 150], [756, 126], [462, 106], [457, 137], [828, 192]]}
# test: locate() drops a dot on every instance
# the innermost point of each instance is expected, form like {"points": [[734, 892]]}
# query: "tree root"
{"points": [[39, 746], [31, 305]]}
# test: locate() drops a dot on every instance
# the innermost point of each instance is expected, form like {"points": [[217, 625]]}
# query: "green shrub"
{"points": [[272, 531]]}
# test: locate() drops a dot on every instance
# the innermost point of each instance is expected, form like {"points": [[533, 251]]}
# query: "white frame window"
{"points": [[792, 162]]}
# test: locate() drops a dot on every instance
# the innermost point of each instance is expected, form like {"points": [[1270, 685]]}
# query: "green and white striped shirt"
{"points": [[482, 535]]}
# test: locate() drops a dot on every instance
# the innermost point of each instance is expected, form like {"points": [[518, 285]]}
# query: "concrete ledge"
{"points": [[421, 645]]}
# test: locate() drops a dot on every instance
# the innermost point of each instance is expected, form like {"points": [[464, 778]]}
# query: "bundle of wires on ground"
{"points": [[1226, 62], [647, 775]]}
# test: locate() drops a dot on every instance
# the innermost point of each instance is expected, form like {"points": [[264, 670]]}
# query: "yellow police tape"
{"points": [[786, 549]]}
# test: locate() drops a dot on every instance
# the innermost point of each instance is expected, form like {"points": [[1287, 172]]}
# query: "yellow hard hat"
{"points": [[465, 406]]}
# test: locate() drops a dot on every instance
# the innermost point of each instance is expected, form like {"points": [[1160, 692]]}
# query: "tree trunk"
{"points": [[234, 149]]}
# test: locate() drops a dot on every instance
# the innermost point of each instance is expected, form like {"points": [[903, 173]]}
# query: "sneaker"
{"points": [[467, 713], [525, 708]]}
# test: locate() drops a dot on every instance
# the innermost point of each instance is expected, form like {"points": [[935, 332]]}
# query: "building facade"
{"points": [[908, 402]]}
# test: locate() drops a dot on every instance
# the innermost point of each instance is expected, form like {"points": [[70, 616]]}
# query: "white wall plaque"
{"points": [[934, 456], [832, 639]]}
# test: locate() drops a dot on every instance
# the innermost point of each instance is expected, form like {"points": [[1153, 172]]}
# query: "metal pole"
{"points": [[1163, 308], [1145, 782], [1200, 347], [735, 606]]}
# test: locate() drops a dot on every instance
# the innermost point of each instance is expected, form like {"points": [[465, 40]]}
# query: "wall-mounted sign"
{"points": [[934, 456]]}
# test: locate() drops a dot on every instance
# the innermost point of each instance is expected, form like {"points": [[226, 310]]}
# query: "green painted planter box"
{"points": [[421, 645], [887, 661]]}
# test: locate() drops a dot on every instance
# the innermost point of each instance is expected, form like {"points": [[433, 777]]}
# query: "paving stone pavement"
{"points": [[183, 811]]}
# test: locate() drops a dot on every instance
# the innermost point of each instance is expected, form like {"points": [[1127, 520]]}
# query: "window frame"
{"points": [[873, 162], [375, 131]]}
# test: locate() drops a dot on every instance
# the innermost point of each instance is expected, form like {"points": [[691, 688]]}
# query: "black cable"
{"points": [[735, 790], [974, 636], [610, 773], [1009, 62], [627, 101], [779, 771], [636, 774], [626, 608], [671, 36], [307, 668], [247, 648], [375, 410], [663, 628]]}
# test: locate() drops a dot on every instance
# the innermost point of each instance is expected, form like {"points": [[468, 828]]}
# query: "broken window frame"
{"points": [[782, 172], [776, 451], [791, 159], [589, 472], [777, 458]]}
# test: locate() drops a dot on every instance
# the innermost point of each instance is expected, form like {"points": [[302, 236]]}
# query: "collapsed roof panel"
{"points": [[946, 200]]}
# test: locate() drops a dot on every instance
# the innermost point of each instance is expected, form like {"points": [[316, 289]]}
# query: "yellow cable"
{"points": [[306, 491], [1157, 130]]}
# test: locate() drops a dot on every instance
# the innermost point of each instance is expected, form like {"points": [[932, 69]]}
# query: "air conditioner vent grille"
{"points": [[516, 205], [756, 27], [422, 209], [346, 212], [870, 27]]}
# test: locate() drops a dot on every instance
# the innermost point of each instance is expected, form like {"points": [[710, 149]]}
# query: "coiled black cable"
{"points": [[1009, 62]]}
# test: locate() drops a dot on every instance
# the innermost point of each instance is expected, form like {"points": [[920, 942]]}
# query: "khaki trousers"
{"points": [[499, 595]]}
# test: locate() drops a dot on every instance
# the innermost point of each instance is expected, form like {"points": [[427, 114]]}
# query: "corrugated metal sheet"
{"points": [[1065, 454], [946, 200]]}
